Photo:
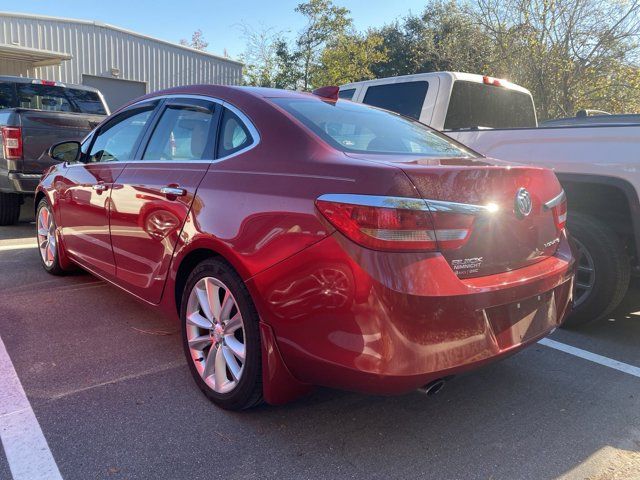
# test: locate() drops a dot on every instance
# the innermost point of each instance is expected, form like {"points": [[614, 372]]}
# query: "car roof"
{"points": [[217, 90]]}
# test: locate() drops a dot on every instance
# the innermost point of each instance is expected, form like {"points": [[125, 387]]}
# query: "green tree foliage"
{"points": [[571, 54], [351, 57], [324, 22]]}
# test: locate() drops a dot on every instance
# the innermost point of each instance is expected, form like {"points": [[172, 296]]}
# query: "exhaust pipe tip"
{"points": [[432, 388]]}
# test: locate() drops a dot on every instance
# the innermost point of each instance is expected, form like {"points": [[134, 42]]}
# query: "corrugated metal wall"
{"points": [[96, 50]]}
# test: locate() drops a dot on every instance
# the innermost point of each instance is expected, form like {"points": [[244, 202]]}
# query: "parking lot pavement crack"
{"points": [[133, 376]]}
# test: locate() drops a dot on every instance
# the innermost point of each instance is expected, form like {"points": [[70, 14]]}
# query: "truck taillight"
{"points": [[11, 142], [496, 82], [396, 223]]}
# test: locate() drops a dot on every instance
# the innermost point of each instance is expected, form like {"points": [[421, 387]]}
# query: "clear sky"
{"points": [[219, 20]]}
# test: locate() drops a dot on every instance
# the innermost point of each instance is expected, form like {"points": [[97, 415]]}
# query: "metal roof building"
{"points": [[121, 63]]}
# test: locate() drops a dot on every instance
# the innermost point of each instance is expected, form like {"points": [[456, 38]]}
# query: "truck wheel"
{"points": [[603, 270], [9, 208]]}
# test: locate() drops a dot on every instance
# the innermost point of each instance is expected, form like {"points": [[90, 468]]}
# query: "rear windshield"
{"points": [[352, 127], [50, 98], [476, 105], [405, 98]]}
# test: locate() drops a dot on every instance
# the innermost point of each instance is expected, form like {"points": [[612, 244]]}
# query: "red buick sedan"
{"points": [[305, 240]]}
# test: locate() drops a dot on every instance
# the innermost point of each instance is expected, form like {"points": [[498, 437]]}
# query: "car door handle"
{"points": [[100, 187], [173, 191]]}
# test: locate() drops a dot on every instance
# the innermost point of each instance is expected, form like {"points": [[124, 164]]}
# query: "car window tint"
{"points": [[116, 141], [354, 127], [43, 97], [86, 101], [181, 134], [476, 105], [7, 95], [234, 135], [346, 94], [405, 98]]}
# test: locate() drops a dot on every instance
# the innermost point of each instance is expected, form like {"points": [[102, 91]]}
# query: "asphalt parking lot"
{"points": [[112, 395]]}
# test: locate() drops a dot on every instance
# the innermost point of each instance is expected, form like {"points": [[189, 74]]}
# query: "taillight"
{"points": [[398, 223], [11, 142], [558, 206]]}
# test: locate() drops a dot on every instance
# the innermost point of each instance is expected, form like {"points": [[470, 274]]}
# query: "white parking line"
{"points": [[25, 447], [592, 357]]}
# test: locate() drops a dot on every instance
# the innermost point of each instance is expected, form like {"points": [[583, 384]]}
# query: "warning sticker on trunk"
{"points": [[467, 265]]}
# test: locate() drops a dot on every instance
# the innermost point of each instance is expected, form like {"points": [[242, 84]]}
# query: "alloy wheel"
{"points": [[585, 274], [215, 334], [46, 236]]}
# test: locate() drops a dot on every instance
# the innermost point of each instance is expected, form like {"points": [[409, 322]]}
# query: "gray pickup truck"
{"points": [[35, 114]]}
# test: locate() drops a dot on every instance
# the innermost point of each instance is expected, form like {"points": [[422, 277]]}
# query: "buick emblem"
{"points": [[523, 203]]}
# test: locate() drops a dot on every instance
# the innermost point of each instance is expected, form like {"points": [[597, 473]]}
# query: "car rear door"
{"points": [[152, 197], [85, 195]]}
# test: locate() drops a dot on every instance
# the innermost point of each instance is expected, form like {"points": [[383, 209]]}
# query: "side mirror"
{"points": [[65, 151]]}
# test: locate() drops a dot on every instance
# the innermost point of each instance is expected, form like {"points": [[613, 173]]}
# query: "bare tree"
{"points": [[197, 41], [570, 53]]}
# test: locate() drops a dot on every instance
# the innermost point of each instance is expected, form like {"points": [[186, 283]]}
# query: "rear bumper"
{"points": [[25, 183], [351, 318]]}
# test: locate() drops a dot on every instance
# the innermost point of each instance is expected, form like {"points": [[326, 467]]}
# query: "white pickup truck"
{"points": [[596, 159]]}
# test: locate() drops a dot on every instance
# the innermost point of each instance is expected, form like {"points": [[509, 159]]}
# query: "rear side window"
{"points": [[181, 134], [476, 105], [346, 94], [405, 98], [86, 101], [234, 134], [358, 128], [58, 99], [7, 95]]}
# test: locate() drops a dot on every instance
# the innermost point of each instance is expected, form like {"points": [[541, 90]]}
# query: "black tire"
{"points": [[9, 208], [54, 268], [248, 391], [612, 269]]}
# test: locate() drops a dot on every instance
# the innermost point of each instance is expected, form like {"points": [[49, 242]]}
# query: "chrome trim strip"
{"points": [[555, 201], [376, 201], [406, 203], [255, 135]]}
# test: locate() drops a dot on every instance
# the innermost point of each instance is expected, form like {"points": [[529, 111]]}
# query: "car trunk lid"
{"points": [[504, 235]]}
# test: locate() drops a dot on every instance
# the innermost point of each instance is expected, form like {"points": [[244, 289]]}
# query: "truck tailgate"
{"points": [[41, 129]]}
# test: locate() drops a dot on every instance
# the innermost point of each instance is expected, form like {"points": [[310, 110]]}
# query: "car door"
{"points": [[85, 196], [152, 197]]}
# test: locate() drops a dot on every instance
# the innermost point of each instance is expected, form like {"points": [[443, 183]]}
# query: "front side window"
{"points": [[234, 135], [182, 133], [116, 141], [352, 127], [405, 98]]}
